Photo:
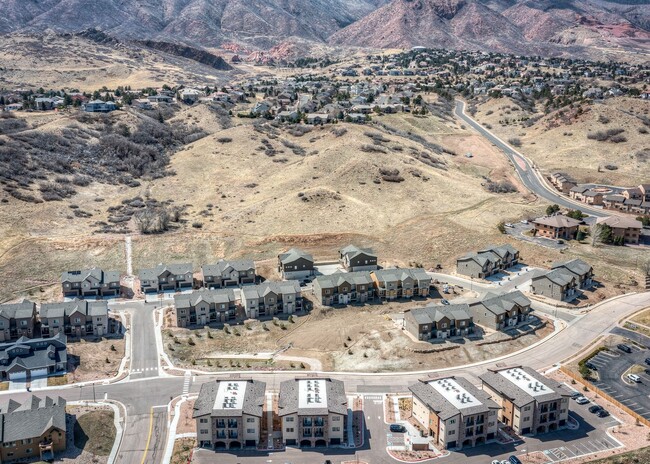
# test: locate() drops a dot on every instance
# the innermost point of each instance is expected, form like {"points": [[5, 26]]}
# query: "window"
{"points": [[336, 429], [527, 408], [55, 321], [490, 424], [203, 421], [526, 419], [23, 323], [336, 418], [289, 419], [250, 419], [443, 325], [9, 444], [28, 451], [77, 320], [204, 431], [27, 441], [452, 432], [453, 421], [250, 430], [289, 430]]}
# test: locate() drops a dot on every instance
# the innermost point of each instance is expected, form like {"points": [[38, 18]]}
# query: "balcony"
{"points": [[469, 432], [306, 433], [232, 424], [319, 422], [318, 433], [232, 434], [221, 425], [307, 422], [221, 434]]}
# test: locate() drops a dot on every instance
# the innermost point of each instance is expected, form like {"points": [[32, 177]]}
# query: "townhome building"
{"points": [[17, 320], [391, 284], [488, 261], [353, 258], [439, 322], [627, 228], [33, 429], [557, 284], [454, 413], [563, 182], [556, 227], [204, 306], [587, 195], [530, 403], [313, 412], [90, 282], [271, 299], [343, 288], [76, 318], [166, 277], [229, 273], [583, 272], [499, 312], [229, 413], [295, 264], [33, 357]]}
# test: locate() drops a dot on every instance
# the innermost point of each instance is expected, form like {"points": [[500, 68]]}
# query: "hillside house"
{"points": [[229, 273], [164, 277], [90, 282], [295, 264], [556, 227], [99, 106], [353, 258]]}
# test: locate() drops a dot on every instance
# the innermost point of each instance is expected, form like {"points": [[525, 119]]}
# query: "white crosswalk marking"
{"points": [[186, 383]]}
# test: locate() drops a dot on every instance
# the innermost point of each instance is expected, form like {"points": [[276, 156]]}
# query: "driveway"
{"points": [[518, 231]]}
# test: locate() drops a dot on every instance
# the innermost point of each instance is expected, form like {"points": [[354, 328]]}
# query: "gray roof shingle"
{"points": [[32, 418]]}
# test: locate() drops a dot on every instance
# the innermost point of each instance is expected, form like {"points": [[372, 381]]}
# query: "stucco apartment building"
{"points": [[229, 413], [90, 282], [35, 428], [530, 403], [454, 413], [439, 322], [76, 318], [391, 284], [488, 261], [271, 299], [229, 273], [295, 264], [627, 228], [17, 320], [313, 412], [353, 258], [556, 227], [204, 306], [343, 288], [166, 277]]}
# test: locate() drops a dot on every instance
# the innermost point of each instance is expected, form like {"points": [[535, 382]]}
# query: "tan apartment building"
{"points": [[627, 228], [530, 403], [229, 413], [454, 413], [313, 412], [391, 284], [556, 227]]}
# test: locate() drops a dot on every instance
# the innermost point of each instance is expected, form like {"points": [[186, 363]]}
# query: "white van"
{"points": [[634, 378]]}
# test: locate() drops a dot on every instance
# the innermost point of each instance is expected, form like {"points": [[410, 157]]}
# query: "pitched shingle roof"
{"points": [[176, 269], [222, 265], [278, 288], [32, 418], [24, 309], [210, 296], [576, 266], [293, 255], [557, 221], [340, 278], [388, 275], [67, 308], [352, 251], [96, 273]]}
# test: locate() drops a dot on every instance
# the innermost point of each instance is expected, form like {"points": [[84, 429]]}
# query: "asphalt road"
{"points": [[524, 168]]}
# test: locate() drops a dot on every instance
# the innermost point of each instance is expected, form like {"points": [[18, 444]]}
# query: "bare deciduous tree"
{"points": [[596, 232]]}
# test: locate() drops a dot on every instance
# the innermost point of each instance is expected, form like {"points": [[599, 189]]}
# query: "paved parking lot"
{"points": [[611, 367]]}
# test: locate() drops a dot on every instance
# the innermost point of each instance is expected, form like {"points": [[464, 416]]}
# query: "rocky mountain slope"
{"points": [[205, 22], [530, 26]]}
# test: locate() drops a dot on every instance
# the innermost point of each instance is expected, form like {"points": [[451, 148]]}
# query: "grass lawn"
{"points": [[57, 381], [182, 450], [633, 457], [94, 432]]}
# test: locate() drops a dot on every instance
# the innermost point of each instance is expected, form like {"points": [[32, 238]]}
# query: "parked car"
{"points": [[647, 360], [576, 394], [582, 400], [595, 408], [397, 428], [624, 347], [445, 302], [634, 378], [524, 221], [602, 413], [514, 460], [591, 366], [509, 225]]}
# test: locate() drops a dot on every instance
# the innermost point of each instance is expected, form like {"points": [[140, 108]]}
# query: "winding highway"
{"points": [[524, 168]]}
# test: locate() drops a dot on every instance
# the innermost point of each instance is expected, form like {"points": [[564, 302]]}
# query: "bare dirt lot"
{"points": [[359, 338], [98, 359]]}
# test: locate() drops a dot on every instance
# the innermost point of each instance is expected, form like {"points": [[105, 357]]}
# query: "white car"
{"points": [[634, 378], [509, 225], [524, 221]]}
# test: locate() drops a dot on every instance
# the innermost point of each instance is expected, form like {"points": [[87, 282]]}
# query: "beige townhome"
{"points": [[228, 413], [313, 411], [530, 403], [454, 413]]}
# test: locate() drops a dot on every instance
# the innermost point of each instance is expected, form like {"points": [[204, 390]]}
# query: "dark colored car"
{"points": [[595, 408], [397, 428], [602, 413], [575, 395], [647, 360], [591, 366], [623, 347], [514, 460]]}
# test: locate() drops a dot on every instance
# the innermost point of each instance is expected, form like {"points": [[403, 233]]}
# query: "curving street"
{"points": [[524, 168]]}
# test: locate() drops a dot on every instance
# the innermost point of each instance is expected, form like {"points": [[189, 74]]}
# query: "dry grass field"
{"points": [[559, 140]]}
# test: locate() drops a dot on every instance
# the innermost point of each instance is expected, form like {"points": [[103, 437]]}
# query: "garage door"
{"points": [[17, 375], [39, 373]]}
